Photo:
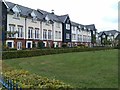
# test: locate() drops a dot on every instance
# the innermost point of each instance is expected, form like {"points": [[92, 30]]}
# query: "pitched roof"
{"points": [[112, 32], [74, 23], [25, 11], [52, 16], [63, 17], [118, 37], [91, 26]]}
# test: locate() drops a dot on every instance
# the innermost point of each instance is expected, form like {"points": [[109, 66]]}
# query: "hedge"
{"points": [[39, 52]]}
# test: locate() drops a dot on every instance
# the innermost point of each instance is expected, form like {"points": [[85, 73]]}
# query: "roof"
{"points": [[118, 37], [52, 16], [112, 32], [25, 11], [41, 14], [63, 17], [74, 23], [91, 27]]}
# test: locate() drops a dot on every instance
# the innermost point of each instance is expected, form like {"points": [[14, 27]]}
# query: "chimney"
{"points": [[52, 11]]}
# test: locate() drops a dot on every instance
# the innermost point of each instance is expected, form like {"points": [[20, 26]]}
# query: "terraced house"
{"points": [[108, 37], [25, 27]]}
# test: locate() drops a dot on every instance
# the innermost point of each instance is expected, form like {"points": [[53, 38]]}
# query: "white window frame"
{"points": [[49, 34], [11, 42], [44, 34], [20, 32], [67, 36], [56, 34], [11, 29], [27, 43], [68, 26], [19, 47], [36, 34], [30, 33], [59, 34], [16, 15]]}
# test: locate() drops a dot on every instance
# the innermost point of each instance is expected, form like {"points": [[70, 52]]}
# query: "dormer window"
{"points": [[34, 16], [17, 15], [34, 19], [47, 20], [103, 36], [93, 32], [16, 11], [68, 26], [48, 23], [84, 28], [79, 27]]}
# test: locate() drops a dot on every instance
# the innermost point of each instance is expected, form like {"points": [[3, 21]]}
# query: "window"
{"points": [[17, 15], [73, 28], [10, 43], [11, 31], [73, 36], [16, 11], [68, 26], [44, 34], [67, 36], [49, 34], [81, 38], [59, 35], [103, 36], [36, 33], [34, 19], [93, 32], [84, 28], [29, 44], [56, 34], [19, 45], [30, 33], [20, 31], [58, 25], [47, 23]]}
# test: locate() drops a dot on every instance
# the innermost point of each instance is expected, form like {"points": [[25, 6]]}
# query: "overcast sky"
{"points": [[102, 13]]}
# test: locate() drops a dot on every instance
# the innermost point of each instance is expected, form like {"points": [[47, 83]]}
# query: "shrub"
{"points": [[39, 52], [40, 44], [64, 45], [32, 81]]}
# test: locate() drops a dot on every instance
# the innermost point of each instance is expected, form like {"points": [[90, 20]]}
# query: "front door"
{"points": [[29, 45]]}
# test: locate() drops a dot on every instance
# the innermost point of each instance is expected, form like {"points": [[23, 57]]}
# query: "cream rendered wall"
{"points": [[76, 33], [30, 23], [12, 20], [47, 27], [55, 28]]}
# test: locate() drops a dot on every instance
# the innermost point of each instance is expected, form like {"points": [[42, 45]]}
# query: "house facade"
{"points": [[108, 37], [26, 27], [66, 29], [80, 35]]}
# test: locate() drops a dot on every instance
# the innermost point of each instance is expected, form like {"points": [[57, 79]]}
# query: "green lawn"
{"points": [[97, 69]]}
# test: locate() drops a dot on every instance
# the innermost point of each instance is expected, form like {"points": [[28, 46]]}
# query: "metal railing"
{"points": [[9, 84]]}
